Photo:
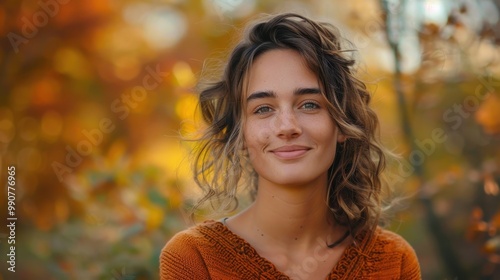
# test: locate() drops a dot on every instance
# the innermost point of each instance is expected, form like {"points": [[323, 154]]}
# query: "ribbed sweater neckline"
{"points": [[347, 263]]}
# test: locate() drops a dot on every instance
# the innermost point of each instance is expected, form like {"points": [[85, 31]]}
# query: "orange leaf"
{"points": [[488, 114]]}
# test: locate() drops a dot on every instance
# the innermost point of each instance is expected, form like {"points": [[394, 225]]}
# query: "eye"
{"points": [[262, 110], [310, 105]]}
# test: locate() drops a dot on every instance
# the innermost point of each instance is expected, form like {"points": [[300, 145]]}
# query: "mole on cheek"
{"points": [[263, 135]]}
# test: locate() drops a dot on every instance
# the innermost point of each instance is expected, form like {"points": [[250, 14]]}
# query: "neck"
{"points": [[293, 217]]}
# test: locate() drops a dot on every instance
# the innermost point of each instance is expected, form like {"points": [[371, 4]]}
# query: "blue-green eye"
{"points": [[310, 106], [262, 110]]}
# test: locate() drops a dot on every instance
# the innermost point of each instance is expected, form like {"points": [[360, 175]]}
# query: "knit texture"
{"points": [[211, 251]]}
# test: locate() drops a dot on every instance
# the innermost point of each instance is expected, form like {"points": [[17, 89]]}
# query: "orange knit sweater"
{"points": [[211, 251]]}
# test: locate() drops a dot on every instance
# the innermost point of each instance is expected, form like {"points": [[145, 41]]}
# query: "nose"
{"points": [[287, 125]]}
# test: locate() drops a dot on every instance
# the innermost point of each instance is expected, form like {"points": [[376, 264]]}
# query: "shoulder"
{"points": [[392, 250], [392, 241], [192, 238], [183, 252]]}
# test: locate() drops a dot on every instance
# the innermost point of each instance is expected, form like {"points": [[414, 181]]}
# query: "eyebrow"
{"points": [[272, 94]]}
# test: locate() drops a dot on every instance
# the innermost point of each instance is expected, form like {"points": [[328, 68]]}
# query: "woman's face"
{"points": [[288, 132]]}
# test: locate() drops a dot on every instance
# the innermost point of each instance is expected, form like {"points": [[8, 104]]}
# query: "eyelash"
{"points": [[317, 106], [258, 110]]}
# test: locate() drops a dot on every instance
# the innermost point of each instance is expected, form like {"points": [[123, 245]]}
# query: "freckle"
{"points": [[295, 238], [261, 234]]}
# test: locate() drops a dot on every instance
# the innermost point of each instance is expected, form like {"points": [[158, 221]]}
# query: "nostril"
{"points": [[286, 124]]}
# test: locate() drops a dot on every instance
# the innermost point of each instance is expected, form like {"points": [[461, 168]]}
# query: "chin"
{"points": [[292, 179]]}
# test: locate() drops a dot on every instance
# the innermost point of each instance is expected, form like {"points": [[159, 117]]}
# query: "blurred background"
{"points": [[95, 94]]}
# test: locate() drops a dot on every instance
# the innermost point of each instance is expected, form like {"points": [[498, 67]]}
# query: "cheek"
{"points": [[257, 138], [256, 134], [327, 134]]}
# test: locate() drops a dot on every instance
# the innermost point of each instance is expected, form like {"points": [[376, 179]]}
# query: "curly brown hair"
{"points": [[220, 164]]}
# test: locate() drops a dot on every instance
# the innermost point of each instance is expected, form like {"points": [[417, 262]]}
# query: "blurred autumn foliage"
{"points": [[94, 95]]}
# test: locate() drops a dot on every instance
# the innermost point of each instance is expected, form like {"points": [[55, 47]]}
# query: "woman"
{"points": [[289, 119]]}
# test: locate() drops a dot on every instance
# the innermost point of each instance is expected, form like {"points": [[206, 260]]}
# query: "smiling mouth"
{"points": [[290, 152]]}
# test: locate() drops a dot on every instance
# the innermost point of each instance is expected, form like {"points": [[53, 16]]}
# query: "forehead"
{"points": [[280, 70]]}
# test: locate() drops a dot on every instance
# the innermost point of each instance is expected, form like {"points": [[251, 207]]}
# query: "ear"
{"points": [[341, 137]]}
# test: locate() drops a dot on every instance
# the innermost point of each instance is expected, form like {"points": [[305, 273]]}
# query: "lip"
{"points": [[290, 152]]}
